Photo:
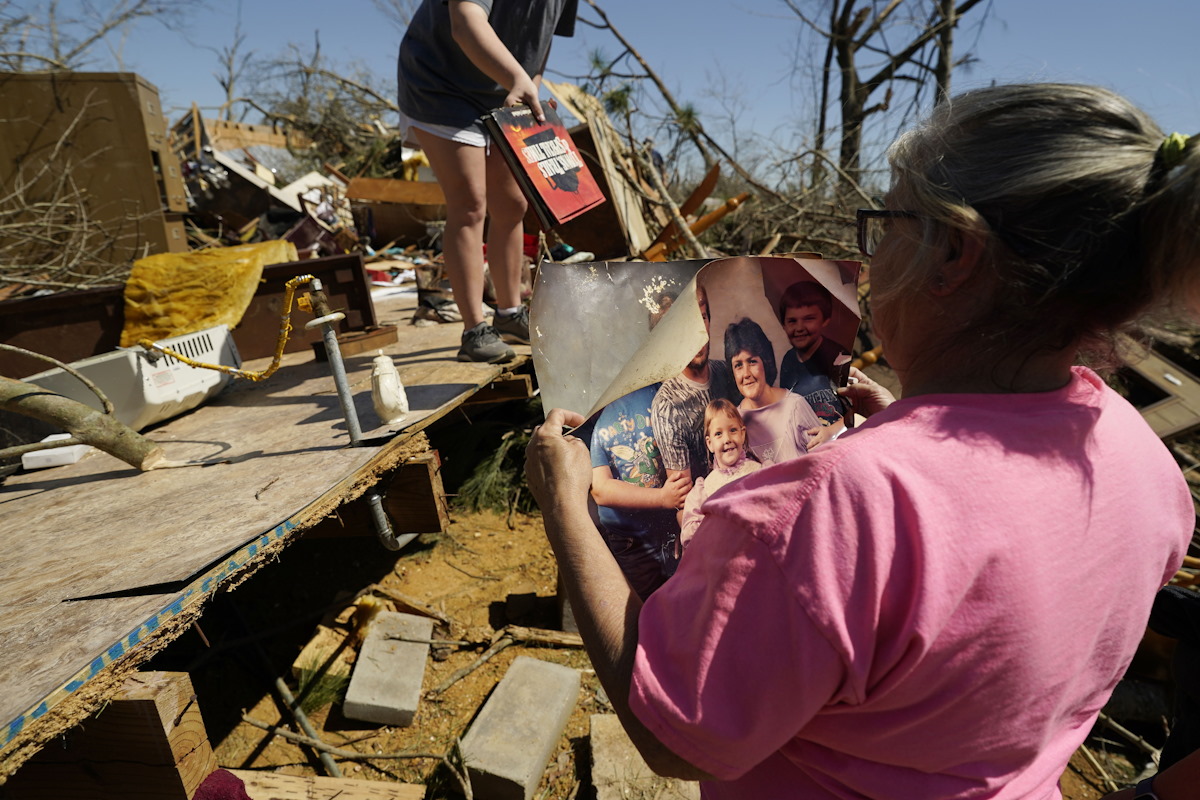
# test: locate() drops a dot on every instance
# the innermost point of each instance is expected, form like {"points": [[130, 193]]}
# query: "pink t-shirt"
{"points": [[937, 604]]}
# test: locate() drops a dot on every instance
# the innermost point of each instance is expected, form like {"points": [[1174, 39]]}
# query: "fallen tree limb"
{"points": [[457, 770], [324, 747], [539, 636], [67, 368], [409, 604], [85, 423], [505, 637], [459, 674], [1109, 784], [1131, 737]]}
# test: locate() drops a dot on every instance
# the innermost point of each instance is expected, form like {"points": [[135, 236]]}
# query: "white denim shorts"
{"points": [[461, 135]]}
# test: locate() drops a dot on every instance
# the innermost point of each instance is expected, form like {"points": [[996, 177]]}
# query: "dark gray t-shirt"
{"points": [[439, 84]]}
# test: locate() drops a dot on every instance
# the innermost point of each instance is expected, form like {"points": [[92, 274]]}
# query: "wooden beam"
{"points": [[273, 786], [391, 190], [510, 387], [414, 499], [228, 135], [149, 741]]}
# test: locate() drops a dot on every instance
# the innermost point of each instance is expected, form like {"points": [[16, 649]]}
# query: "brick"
{"points": [[511, 741], [386, 684], [619, 772]]}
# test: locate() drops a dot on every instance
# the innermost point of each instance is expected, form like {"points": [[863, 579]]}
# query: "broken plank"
{"points": [[327, 652], [510, 387], [691, 205], [391, 190], [273, 786], [229, 135]]}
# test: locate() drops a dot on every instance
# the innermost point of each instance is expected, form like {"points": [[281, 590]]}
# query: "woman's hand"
{"points": [[525, 92], [865, 395], [558, 467]]}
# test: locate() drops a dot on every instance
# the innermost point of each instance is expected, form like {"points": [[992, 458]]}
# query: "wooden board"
{"points": [[103, 564], [1180, 410], [391, 190], [273, 786]]}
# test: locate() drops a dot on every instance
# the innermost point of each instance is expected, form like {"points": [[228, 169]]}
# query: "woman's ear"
{"points": [[964, 252]]}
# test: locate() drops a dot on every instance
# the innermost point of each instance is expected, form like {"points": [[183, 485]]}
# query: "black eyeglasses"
{"points": [[873, 224]]}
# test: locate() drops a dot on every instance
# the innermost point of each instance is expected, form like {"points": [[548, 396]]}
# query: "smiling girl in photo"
{"points": [[725, 436]]}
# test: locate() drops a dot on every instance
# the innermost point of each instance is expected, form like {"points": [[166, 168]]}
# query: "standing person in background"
{"points": [[458, 60]]}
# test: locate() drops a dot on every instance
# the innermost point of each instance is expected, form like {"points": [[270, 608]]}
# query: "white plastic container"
{"points": [[55, 456], [147, 387]]}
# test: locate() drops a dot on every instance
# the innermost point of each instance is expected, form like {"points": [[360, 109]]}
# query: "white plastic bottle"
{"points": [[387, 392]]}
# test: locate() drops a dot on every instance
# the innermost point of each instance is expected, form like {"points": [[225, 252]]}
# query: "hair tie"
{"points": [[1170, 152]]}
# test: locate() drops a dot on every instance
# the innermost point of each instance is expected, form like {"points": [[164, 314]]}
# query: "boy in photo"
{"points": [[805, 311]]}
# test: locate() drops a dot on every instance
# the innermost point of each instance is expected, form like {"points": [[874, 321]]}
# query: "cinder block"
{"points": [[386, 684], [619, 771], [511, 741]]}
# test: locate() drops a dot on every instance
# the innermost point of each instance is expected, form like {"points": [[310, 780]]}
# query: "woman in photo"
{"points": [[780, 425]]}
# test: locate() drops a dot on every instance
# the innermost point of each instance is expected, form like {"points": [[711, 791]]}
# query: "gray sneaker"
{"points": [[482, 343], [515, 327]]}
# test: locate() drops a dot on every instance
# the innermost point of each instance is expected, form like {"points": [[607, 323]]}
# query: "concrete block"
{"points": [[619, 772], [386, 684], [511, 741]]}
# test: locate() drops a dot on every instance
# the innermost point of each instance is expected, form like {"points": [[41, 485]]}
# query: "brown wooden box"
{"points": [[105, 130]]}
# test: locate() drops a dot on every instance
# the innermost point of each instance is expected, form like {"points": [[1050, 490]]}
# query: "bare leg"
{"points": [[462, 172], [506, 208]]}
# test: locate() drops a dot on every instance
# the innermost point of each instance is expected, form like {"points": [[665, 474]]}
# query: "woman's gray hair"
{"points": [[1082, 231]]}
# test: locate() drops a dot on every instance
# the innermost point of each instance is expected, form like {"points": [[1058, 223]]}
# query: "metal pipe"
{"points": [[342, 383], [336, 365], [383, 527]]}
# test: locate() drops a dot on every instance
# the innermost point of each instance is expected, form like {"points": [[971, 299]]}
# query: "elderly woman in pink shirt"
{"points": [[886, 617]]}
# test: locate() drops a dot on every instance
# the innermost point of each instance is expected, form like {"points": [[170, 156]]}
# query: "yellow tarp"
{"points": [[171, 294]]}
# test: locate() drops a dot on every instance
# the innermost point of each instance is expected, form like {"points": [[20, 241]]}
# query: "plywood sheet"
{"points": [[100, 559]]}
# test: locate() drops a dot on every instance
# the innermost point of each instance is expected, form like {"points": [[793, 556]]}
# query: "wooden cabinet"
{"points": [[102, 138]]}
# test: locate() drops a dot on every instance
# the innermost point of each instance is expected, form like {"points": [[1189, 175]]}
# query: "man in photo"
{"points": [[677, 414], [805, 311]]}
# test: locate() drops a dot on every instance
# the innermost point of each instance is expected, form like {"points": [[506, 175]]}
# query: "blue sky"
{"points": [[742, 51]]}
